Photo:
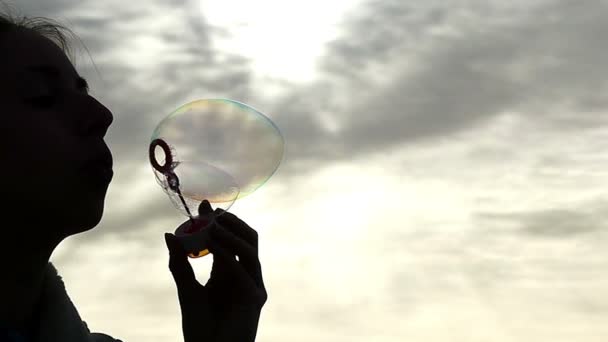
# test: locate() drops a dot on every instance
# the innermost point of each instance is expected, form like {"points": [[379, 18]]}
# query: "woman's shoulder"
{"points": [[99, 337], [58, 318]]}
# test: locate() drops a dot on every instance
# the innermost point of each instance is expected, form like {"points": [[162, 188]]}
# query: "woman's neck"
{"points": [[23, 271]]}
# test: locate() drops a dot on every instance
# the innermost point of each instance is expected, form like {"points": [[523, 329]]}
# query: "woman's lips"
{"points": [[100, 170]]}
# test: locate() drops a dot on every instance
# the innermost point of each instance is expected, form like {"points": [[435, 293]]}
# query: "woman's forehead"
{"points": [[24, 49]]}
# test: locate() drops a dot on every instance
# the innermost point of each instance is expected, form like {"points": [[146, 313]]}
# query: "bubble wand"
{"points": [[173, 182]]}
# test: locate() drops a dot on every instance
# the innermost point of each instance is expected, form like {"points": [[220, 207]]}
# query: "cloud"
{"points": [[553, 222], [406, 74]]}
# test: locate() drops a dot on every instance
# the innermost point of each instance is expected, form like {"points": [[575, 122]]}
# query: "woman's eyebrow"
{"points": [[53, 72]]}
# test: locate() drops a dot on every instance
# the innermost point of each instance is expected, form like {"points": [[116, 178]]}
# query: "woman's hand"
{"points": [[227, 308]]}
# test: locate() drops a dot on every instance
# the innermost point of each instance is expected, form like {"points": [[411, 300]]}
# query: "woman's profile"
{"points": [[53, 151]]}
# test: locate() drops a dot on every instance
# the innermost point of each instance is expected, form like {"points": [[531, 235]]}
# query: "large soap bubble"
{"points": [[214, 149]]}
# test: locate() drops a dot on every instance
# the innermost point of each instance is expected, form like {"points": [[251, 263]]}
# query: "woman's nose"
{"points": [[97, 120]]}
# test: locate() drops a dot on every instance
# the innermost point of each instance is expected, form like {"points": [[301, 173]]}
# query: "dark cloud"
{"points": [[441, 74], [553, 222], [50, 8]]}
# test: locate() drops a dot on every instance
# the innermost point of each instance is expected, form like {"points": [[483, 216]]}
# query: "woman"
{"points": [[53, 151]]}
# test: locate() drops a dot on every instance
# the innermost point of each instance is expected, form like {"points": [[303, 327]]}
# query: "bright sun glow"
{"points": [[280, 46]]}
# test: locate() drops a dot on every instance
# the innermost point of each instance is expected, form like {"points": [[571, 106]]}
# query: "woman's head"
{"points": [[51, 145]]}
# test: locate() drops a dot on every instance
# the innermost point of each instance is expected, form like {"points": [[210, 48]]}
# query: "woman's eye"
{"points": [[44, 101]]}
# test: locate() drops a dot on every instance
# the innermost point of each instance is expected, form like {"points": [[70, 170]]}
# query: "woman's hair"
{"points": [[45, 27]]}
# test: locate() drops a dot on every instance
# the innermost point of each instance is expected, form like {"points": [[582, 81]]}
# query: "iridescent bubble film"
{"points": [[219, 149]]}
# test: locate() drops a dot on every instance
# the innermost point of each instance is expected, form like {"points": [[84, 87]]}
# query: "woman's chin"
{"points": [[85, 221]]}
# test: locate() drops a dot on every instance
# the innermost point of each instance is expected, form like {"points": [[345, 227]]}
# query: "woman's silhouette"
{"points": [[53, 152]]}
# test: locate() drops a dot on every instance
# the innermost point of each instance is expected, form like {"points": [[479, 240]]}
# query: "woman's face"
{"points": [[51, 143]]}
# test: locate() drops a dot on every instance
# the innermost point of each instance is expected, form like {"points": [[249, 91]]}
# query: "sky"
{"points": [[443, 173]]}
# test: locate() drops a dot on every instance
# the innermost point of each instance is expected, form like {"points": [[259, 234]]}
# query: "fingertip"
{"points": [[225, 220], [174, 246], [229, 219], [219, 211], [205, 208]]}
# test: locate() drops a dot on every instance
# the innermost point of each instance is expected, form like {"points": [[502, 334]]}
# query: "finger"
{"points": [[236, 246], [238, 227], [204, 208], [180, 268], [226, 266], [233, 243]]}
